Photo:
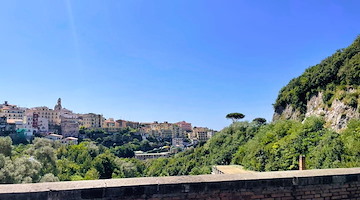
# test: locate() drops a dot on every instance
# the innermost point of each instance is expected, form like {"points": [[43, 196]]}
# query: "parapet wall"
{"points": [[307, 184]]}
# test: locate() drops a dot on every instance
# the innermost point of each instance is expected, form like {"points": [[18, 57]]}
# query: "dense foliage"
{"points": [[255, 145], [104, 155], [46, 161], [342, 69], [124, 141], [270, 147]]}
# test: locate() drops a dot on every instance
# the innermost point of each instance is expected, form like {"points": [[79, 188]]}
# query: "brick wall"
{"points": [[307, 184]]}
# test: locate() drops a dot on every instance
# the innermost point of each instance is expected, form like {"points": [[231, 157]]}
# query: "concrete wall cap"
{"points": [[143, 181]]}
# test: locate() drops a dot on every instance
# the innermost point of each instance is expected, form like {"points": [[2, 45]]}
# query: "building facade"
{"points": [[11, 111], [53, 116], [184, 126], [69, 127], [144, 156], [202, 133], [91, 120], [111, 126], [5, 127]]}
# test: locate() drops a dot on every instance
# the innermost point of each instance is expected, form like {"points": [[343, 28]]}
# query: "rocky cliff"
{"points": [[330, 89], [337, 115]]}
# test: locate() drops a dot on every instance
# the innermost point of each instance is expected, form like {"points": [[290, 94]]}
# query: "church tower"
{"points": [[58, 105]]}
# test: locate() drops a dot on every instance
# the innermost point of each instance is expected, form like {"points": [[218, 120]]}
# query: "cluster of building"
{"points": [[176, 130], [65, 123], [38, 121]]}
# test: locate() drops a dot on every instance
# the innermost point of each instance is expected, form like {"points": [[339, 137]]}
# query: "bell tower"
{"points": [[58, 105]]}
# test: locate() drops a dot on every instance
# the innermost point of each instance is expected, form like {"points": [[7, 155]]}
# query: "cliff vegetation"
{"points": [[335, 81]]}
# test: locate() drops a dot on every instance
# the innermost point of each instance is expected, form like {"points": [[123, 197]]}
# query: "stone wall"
{"points": [[307, 184]]}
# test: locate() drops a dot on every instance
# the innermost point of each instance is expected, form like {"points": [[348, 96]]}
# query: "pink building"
{"points": [[184, 126]]}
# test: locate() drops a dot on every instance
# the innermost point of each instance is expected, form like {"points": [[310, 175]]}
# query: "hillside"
{"points": [[329, 89], [267, 147], [256, 146]]}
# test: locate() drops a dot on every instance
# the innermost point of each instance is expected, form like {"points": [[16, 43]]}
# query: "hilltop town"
{"points": [[69, 127]]}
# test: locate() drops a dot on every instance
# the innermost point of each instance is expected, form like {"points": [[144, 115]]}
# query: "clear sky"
{"points": [[162, 60]]}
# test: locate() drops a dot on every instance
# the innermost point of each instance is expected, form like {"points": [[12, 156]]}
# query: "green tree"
{"points": [[5, 146], [235, 116], [259, 120], [124, 151], [124, 169], [104, 164], [328, 153], [66, 169], [46, 155], [351, 139], [21, 170]]}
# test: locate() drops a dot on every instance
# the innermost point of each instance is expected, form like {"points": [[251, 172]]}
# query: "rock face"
{"points": [[336, 116], [286, 113]]}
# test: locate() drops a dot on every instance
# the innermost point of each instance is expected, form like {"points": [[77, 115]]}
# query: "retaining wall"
{"points": [[308, 184]]}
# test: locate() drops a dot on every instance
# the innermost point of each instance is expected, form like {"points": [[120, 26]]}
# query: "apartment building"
{"points": [[11, 111], [53, 116], [111, 126], [163, 130], [132, 124], [202, 133], [91, 120], [184, 126]]}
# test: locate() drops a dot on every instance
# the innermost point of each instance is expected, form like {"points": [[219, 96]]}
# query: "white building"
{"points": [[70, 141], [54, 137], [60, 138]]}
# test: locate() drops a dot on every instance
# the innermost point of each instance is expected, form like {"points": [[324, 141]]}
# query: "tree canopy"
{"points": [[235, 116], [260, 120]]}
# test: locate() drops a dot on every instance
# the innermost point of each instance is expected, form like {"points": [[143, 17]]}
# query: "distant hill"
{"points": [[330, 89]]}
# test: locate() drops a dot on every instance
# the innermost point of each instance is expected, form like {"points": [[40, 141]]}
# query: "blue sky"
{"points": [[160, 60]]}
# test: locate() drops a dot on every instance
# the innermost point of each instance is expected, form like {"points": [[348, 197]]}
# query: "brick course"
{"points": [[306, 184]]}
